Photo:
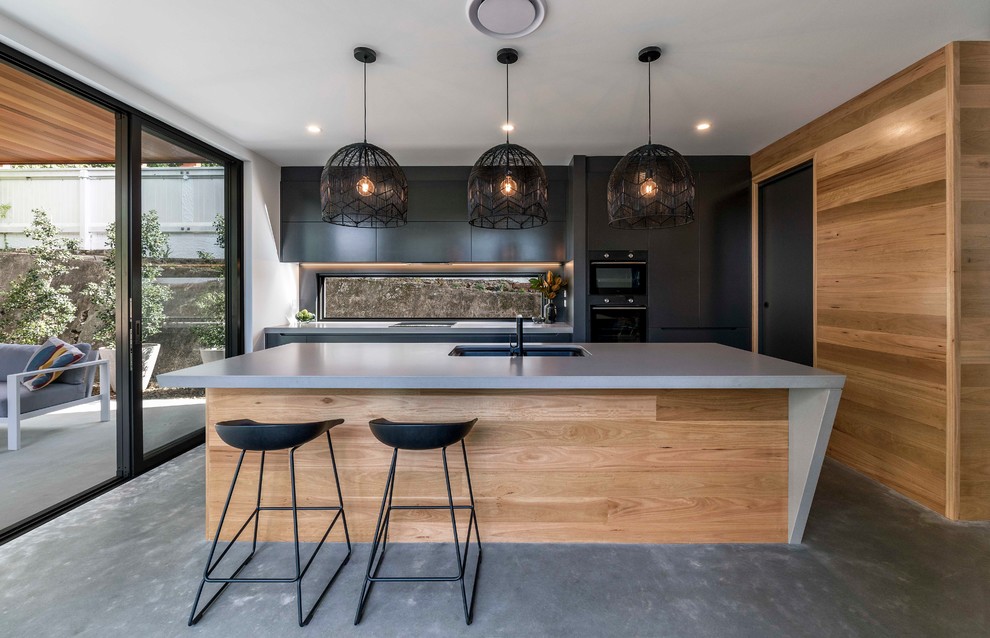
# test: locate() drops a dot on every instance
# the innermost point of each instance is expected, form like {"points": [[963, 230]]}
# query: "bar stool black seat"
{"points": [[422, 436], [247, 435]]}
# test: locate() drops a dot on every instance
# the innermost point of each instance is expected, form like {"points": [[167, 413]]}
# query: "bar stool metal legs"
{"points": [[300, 570], [380, 539]]}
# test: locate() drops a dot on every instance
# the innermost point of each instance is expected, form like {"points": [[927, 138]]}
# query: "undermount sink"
{"points": [[528, 351]]}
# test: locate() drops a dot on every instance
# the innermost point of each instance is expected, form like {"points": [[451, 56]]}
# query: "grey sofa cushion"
{"points": [[52, 394], [14, 357], [77, 377]]}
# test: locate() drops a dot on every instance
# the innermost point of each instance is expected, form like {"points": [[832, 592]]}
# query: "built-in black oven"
{"points": [[618, 324], [617, 273]]}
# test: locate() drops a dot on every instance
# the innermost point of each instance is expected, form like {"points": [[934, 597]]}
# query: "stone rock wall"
{"points": [[429, 298], [188, 279]]}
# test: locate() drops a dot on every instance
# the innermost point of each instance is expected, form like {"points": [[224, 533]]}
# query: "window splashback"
{"points": [[423, 297]]}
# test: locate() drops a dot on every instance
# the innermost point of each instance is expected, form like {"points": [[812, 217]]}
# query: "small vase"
{"points": [[550, 311]]}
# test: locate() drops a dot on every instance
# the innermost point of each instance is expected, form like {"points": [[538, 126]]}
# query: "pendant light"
{"points": [[507, 187], [362, 185], [652, 186]]}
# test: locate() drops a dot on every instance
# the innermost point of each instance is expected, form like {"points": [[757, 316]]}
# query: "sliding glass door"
{"points": [[57, 185], [182, 265], [120, 234]]}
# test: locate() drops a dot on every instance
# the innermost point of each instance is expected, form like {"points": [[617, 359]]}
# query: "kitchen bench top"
{"points": [[428, 366]]}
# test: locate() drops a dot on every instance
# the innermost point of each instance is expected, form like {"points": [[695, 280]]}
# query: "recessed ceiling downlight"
{"points": [[506, 19]]}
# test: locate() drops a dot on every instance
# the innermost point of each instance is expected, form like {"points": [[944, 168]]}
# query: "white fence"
{"points": [[81, 202]]}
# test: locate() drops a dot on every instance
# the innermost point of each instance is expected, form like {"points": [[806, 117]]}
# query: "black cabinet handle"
{"points": [[766, 304]]}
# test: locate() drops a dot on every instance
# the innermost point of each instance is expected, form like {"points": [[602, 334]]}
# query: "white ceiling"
{"points": [[261, 70]]}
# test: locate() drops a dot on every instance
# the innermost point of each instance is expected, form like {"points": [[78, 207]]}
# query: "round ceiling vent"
{"points": [[506, 19]]}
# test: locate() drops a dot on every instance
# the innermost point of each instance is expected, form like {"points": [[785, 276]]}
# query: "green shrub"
{"points": [[103, 294], [34, 308]]}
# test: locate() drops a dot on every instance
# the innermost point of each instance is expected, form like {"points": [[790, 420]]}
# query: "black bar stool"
{"points": [[422, 436], [266, 437]]}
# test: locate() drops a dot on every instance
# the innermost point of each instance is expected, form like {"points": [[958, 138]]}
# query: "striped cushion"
{"points": [[54, 353]]}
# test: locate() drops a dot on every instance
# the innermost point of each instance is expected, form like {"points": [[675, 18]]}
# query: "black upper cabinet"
{"points": [[437, 193], [543, 243], [438, 230], [321, 242], [425, 242], [305, 236]]}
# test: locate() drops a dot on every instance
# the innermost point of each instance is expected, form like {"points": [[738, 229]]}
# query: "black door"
{"points": [[787, 266]]}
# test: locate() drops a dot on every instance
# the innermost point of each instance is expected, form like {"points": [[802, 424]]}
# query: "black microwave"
{"points": [[618, 272]]}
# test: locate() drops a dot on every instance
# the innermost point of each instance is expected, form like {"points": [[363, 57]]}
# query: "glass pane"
{"points": [[182, 281], [57, 197]]}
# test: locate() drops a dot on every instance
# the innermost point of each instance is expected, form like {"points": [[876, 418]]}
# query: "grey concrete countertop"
{"points": [[474, 326], [428, 366]]}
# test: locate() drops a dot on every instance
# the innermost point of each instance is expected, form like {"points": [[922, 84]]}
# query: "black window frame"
{"points": [[130, 121]]}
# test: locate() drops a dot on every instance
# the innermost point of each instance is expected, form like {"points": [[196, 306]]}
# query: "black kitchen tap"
{"points": [[516, 349]]}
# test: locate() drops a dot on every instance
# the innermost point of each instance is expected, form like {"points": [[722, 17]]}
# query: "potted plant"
{"points": [[103, 295], [211, 305], [549, 285], [212, 334]]}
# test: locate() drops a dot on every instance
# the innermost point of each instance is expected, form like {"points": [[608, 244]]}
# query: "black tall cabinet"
{"points": [[699, 273]]}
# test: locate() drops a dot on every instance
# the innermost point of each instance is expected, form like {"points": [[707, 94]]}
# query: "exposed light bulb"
{"points": [[648, 188], [365, 187], [508, 186], [507, 127], [703, 126], [313, 128]]}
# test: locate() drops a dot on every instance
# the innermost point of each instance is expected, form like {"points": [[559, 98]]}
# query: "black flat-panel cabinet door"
{"points": [[542, 243], [725, 245], [786, 267], [321, 242], [674, 274], [425, 242]]}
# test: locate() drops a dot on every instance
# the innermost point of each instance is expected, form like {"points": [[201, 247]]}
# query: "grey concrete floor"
{"points": [[873, 564], [69, 451]]}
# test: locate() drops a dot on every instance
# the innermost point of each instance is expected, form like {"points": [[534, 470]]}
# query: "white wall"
{"points": [[271, 294], [270, 287]]}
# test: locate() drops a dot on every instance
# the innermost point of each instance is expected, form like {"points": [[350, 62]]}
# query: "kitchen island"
{"points": [[635, 443]]}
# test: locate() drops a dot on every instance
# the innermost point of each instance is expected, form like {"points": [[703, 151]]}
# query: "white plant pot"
{"points": [[212, 354], [149, 356]]}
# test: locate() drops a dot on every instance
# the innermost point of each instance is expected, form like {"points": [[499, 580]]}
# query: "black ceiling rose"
{"points": [[652, 186], [507, 189], [362, 185]]}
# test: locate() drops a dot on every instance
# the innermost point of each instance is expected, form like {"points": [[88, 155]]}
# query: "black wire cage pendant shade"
{"points": [[507, 188], [362, 185], [652, 186]]}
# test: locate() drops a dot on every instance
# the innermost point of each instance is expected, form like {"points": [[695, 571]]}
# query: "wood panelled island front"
{"points": [[634, 443]]}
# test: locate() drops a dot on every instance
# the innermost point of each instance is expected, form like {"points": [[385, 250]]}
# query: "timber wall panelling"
{"points": [[973, 179], [896, 170], [626, 466]]}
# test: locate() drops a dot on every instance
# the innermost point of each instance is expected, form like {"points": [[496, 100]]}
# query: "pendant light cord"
{"points": [[506, 103], [649, 102], [365, 64]]}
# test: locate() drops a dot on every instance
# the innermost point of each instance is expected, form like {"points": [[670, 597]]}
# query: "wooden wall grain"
{"points": [[973, 174], [902, 259], [881, 275], [625, 466]]}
